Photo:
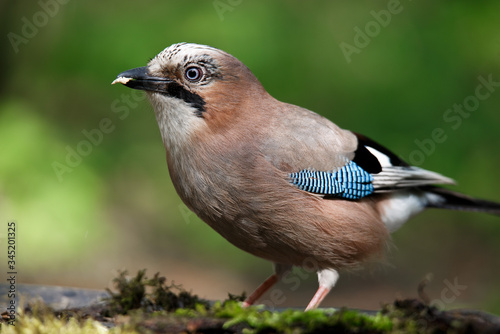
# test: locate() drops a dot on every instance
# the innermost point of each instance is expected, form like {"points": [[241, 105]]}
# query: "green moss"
{"points": [[290, 321], [151, 305], [31, 324], [40, 319]]}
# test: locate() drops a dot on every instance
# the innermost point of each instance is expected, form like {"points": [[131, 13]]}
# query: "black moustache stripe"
{"points": [[175, 90]]}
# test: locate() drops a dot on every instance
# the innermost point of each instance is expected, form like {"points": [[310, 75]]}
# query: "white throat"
{"points": [[177, 121]]}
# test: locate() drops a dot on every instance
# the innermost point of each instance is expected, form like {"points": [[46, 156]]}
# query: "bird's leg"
{"points": [[327, 279], [279, 271], [268, 283]]}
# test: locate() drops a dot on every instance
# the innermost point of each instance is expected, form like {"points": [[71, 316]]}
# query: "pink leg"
{"points": [[318, 298], [268, 283], [327, 279]]}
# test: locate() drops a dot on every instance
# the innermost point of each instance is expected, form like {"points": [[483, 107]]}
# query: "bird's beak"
{"points": [[139, 78]]}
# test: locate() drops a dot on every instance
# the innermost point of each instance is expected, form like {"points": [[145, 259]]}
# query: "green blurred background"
{"points": [[117, 209]]}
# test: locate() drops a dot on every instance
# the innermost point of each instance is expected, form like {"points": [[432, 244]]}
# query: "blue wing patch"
{"points": [[350, 182]]}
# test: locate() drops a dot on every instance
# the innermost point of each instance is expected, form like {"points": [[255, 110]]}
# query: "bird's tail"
{"points": [[447, 199]]}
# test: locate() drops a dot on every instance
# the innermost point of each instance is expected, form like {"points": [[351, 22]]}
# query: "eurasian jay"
{"points": [[276, 180]]}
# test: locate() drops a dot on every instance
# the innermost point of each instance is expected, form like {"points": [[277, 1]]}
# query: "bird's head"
{"points": [[191, 85]]}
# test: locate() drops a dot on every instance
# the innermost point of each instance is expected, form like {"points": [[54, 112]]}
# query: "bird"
{"points": [[277, 180]]}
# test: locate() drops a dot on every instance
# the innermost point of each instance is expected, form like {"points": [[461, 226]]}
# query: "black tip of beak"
{"points": [[139, 78]]}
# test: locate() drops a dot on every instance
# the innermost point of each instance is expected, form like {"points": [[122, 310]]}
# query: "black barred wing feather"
{"points": [[349, 182], [374, 169]]}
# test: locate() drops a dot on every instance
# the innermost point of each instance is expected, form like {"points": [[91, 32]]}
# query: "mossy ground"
{"points": [[150, 305]]}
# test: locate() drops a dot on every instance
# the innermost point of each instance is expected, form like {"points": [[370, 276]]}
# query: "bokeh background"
{"points": [[82, 216]]}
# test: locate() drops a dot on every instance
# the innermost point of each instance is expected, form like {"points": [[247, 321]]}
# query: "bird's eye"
{"points": [[193, 73]]}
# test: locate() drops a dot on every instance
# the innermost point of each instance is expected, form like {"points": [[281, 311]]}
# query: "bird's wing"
{"points": [[392, 172], [372, 169], [298, 139], [322, 158]]}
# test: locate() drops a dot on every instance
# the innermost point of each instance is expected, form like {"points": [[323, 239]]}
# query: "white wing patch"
{"points": [[393, 177], [383, 159]]}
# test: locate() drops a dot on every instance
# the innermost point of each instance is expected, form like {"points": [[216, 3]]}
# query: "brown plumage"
{"points": [[232, 148]]}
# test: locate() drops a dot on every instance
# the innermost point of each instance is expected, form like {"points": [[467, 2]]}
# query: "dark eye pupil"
{"points": [[193, 74]]}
